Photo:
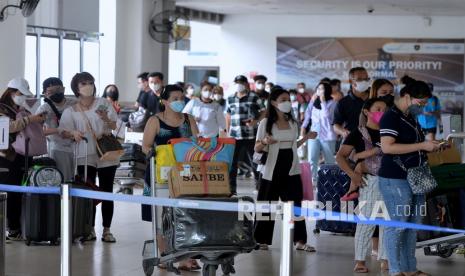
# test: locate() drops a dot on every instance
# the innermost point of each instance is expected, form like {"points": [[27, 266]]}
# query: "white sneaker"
{"points": [[108, 237]]}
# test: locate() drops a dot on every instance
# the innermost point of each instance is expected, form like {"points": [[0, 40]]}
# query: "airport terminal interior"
{"points": [[331, 102]]}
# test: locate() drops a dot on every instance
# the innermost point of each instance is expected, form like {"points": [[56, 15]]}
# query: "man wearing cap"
{"points": [[59, 148], [260, 82], [243, 111]]}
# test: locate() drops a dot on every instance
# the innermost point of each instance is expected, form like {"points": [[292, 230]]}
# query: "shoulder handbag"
{"points": [[420, 178], [108, 146], [259, 158]]}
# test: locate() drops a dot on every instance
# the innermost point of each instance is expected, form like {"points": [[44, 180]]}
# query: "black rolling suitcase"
{"points": [[195, 229], [332, 184], [41, 211]]}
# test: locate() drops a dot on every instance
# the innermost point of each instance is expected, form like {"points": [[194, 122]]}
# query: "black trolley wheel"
{"points": [[228, 269], [148, 268], [316, 231], [209, 270], [446, 253], [28, 242]]}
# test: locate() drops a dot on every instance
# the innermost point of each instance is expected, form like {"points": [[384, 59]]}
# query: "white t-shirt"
{"points": [[73, 119], [55, 141], [209, 117]]}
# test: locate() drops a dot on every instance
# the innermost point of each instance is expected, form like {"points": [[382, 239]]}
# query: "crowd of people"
{"points": [[366, 131]]}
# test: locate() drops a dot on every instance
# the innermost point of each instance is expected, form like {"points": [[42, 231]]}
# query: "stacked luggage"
{"points": [[332, 184], [132, 168], [190, 233], [445, 206]]}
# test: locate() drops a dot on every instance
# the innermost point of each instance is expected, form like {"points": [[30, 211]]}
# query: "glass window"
{"points": [[91, 61], [71, 61], [48, 58], [31, 62]]}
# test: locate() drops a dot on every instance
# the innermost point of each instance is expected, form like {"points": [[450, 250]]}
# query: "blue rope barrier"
{"points": [[221, 206]]}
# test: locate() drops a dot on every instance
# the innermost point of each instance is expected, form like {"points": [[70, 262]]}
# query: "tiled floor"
{"points": [[333, 257]]}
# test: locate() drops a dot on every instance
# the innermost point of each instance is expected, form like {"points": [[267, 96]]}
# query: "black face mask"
{"points": [[389, 99], [57, 97]]}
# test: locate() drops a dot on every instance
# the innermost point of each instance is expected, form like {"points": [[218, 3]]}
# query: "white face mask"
{"points": [[217, 97], [239, 87], [268, 89], [293, 98], [259, 86], [19, 100], [285, 107], [301, 90], [206, 94], [320, 92], [155, 86], [87, 90], [362, 86], [190, 91]]}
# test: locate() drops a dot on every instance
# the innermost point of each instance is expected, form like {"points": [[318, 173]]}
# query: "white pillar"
{"points": [[12, 48], [136, 51]]}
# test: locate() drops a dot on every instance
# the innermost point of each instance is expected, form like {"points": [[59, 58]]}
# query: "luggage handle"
{"points": [[76, 145], [456, 135]]}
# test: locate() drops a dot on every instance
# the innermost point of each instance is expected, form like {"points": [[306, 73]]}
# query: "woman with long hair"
{"points": [[278, 136], [319, 118], [384, 89], [12, 101]]}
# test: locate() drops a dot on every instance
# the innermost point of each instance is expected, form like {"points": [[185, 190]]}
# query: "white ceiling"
{"points": [[343, 7]]}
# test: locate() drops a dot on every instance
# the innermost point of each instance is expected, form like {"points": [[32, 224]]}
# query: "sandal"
{"points": [[360, 269], [305, 247]]}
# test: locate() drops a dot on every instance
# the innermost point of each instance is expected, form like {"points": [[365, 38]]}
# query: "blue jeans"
{"points": [[317, 147], [402, 205]]}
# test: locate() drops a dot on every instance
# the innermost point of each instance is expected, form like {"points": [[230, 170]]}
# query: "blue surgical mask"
{"points": [[177, 106]]}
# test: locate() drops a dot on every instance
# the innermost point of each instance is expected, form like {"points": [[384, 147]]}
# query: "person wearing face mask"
{"points": [[365, 141], [384, 89], [404, 147], [268, 87], [153, 99], [303, 96], [347, 112], [144, 89], [207, 113], [92, 117], [243, 111], [278, 136], [59, 147], [111, 93], [319, 116], [170, 123], [11, 102], [336, 88], [297, 108], [260, 82], [190, 92], [218, 97]]}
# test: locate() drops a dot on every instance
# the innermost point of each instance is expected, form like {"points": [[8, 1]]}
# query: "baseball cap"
{"points": [[51, 82], [240, 78], [22, 85], [260, 77]]}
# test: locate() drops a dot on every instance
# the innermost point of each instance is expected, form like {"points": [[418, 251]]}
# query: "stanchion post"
{"points": [[287, 239], [2, 232], [153, 193], [65, 230]]}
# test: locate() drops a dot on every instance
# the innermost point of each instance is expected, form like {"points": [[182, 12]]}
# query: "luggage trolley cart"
{"points": [[210, 256], [445, 246]]}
